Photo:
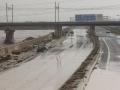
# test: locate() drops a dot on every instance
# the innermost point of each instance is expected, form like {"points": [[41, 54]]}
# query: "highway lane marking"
{"points": [[100, 54], [108, 58]]}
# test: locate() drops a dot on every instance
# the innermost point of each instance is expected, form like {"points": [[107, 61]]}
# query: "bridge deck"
{"points": [[52, 25]]}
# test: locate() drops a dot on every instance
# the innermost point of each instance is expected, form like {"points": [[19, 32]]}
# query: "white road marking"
{"points": [[108, 58], [100, 52]]}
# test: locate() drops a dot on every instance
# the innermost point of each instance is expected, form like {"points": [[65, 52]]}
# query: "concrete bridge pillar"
{"points": [[9, 36], [58, 31], [92, 30]]}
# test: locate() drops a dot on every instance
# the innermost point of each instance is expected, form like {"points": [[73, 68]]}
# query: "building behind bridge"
{"points": [[88, 17]]}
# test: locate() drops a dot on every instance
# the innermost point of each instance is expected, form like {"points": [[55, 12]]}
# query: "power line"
{"points": [[97, 8], [40, 8], [38, 13]]}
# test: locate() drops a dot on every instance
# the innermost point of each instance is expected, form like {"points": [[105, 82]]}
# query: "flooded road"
{"points": [[48, 71], [107, 74], [110, 50]]}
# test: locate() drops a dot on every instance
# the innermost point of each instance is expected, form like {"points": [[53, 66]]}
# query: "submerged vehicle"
{"points": [[41, 48]]}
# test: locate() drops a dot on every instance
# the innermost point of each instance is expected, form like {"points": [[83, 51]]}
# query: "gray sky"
{"points": [[28, 14]]}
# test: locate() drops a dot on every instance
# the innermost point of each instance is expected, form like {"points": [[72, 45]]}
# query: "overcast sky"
{"points": [[65, 3], [25, 13]]}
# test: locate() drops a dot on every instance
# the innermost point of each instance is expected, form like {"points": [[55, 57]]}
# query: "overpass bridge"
{"points": [[57, 26], [53, 25]]}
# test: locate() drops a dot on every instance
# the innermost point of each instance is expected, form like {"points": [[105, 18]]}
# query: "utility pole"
{"points": [[12, 13], [6, 13], [55, 11], [58, 12], [7, 9], [9, 30]]}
